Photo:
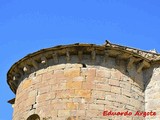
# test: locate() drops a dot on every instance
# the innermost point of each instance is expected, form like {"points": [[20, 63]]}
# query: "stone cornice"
{"points": [[33, 62], [145, 54]]}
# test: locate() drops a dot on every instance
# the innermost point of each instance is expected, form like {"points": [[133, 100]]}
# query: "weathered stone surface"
{"points": [[104, 87], [74, 85], [62, 113], [73, 72], [96, 107], [26, 84], [115, 89], [70, 88], [103, 73], [82, 85], [83, 93], [72, 106], [114, 82], [98, 94]]}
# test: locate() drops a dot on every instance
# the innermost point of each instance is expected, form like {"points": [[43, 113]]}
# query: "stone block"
{"points": [[54, 113], [44, 89], [42, 104], [74, 85], [84, 72], [122, 99], [62, 113], [32, 93], [96, 107], [47, 75], [102, 86], [83, 93], [94, 113], [26, 84], [116, 75], [114, 82], [115, 89], [91, 72], [59, 86], [58, 74], [103, 73], [131, 108], [88, 85], [72, 106], [137, 104], [104, 102], [57, 67], [126, 93], [43, 97], [125, 85], [72, 72], [98, 94], [59, 105], [79, 78], [101, 80], [78, 113], [83, 106], [90, 79], [41, 71], [136, 89], [65, 93], [30, 101], [118, 105], [110, 96], [37, 79]]}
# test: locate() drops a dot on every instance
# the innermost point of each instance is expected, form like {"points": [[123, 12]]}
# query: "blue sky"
{"points": [[29, 25]]}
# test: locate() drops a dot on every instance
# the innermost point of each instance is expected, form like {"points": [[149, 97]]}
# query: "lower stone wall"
{"points": [[152, 93], [74, 90]]}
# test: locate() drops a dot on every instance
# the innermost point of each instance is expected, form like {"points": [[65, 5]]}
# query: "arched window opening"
{"points": [[71, 118], [33, 117]]}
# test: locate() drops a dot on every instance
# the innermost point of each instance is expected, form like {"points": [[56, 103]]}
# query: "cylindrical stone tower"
{"points": [[81, 82]]}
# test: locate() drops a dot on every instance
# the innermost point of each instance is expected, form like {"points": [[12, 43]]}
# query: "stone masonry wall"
{"points": [[84, 91], [152, 96]]}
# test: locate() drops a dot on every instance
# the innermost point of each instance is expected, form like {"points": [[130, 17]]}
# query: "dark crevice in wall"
{"points": [[84, 65]]}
